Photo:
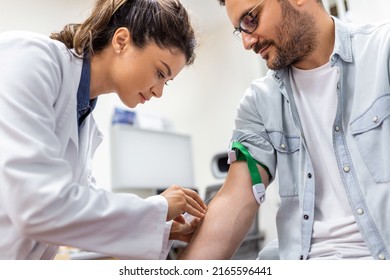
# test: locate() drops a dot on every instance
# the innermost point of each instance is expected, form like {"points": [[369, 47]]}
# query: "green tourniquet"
{"points": [[243, 154]]}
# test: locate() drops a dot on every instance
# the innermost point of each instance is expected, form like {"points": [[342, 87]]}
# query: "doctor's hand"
{"points": [[183, 231], [182, 200]]}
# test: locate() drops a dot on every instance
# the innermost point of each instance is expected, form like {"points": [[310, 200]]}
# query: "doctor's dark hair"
{"points": [[163, 22]]}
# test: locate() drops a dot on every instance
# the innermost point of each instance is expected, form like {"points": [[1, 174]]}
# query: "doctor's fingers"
{"points": [[180, 219], [195, 196], [178, 202], [194, 208], [183, 232]]}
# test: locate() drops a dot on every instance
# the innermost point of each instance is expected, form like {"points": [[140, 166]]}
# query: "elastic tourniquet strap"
{"points": [[255, 175], [258, 186]]}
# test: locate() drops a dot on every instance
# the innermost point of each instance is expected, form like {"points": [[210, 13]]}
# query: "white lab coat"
{"points": [[47, 193]]}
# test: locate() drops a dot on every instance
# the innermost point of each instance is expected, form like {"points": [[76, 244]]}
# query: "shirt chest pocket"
{"points": [[287, 154], [371, 132]]}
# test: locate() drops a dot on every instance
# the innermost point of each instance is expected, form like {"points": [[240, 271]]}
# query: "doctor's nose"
{"points": [[157, 91]]}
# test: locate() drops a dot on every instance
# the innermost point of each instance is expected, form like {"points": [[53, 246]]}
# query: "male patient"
{"points": [[321, 117]]}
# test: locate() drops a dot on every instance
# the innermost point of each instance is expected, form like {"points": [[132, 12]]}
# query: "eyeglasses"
{"points": [[248, 23]]}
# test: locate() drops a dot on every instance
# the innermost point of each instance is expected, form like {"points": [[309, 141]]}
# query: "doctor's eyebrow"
{"points": [[168, 68]]}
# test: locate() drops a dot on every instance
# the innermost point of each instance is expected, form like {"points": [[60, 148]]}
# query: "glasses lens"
{"points": [[248, 23]]}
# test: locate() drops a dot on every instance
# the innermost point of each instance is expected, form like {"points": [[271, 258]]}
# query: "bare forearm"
{"points": [[228, 218], [221, 231]]}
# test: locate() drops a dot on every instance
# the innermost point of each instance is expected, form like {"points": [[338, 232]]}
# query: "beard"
{"points": [[295, 38]]}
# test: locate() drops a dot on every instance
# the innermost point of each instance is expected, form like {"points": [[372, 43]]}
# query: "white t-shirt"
{"points": [[335, 231]]}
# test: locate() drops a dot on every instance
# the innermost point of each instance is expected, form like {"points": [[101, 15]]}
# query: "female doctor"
{"points": [[48, 89]]}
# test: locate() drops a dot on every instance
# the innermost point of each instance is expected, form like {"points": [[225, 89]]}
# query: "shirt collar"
{"points": [[343, 40]]}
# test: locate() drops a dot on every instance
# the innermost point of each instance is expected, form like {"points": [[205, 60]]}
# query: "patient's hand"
{"points": [[182, 230]]}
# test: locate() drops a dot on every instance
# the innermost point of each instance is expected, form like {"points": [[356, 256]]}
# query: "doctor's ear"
{"points": [[121, 39]]}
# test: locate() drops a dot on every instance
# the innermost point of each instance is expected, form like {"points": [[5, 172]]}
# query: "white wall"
{"points": [[43, 16], [363, 11]]}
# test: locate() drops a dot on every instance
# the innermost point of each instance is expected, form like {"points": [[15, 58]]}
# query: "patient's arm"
{"points": [[228, 218]]}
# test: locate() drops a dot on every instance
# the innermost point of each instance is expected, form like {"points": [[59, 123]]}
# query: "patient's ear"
{"points": [[300, 2]]}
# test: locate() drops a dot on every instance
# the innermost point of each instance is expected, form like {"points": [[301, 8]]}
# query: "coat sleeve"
{"points": [[38, 192]]}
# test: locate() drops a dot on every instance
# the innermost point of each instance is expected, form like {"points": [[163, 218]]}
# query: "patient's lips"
{"points": [[262, 52]]}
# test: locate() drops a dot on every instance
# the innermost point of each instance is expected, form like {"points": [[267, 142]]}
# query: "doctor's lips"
{"points": [[143, 98]]}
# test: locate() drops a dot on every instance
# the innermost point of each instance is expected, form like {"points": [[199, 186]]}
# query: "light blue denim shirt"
{"points": [[268, 125]]}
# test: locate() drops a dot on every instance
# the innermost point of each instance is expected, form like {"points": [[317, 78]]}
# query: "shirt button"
{"points": [[309, 175], [283, 146], [375, 119], [306, 217], [337, 128], [381, 257], [360, 211], [346, 169], [301, 257]]}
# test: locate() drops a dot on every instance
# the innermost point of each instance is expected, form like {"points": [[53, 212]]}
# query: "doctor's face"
{"points": [[141, 74]]}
